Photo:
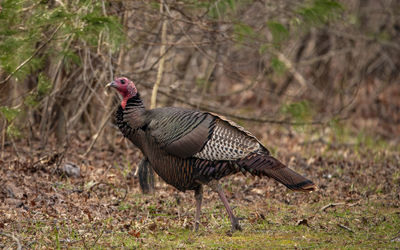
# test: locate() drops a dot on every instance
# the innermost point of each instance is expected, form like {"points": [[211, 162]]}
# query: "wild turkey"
{"points": [[189, 149]]}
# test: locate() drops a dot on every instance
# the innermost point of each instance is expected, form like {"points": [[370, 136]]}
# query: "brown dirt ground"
{"points": [[37, 201]]}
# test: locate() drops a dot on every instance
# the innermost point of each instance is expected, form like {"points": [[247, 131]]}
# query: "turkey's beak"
{"points": [[111, 84]]}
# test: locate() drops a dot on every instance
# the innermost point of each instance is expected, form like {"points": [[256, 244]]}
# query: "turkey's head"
{"points": [[125, 87]]}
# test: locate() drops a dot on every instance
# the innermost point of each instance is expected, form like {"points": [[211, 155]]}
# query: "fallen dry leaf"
{"points": [[153, 226], [135, 233]]}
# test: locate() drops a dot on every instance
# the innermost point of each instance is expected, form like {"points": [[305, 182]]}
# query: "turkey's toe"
{"points": [[236, 225], [196, 226]]}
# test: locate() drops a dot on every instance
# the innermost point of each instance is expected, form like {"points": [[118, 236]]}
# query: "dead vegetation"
{"points": [[357, 203], [316, 81]]}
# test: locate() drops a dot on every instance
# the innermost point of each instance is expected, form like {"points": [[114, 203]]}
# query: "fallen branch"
{"points": [[19, 247], [345, 227], [331, 205]]}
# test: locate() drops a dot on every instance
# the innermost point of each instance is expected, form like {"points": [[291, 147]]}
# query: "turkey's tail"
{"points": [[266, 165]]}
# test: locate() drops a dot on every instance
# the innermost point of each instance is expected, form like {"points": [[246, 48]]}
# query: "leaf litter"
{"points": [[44, 205]]}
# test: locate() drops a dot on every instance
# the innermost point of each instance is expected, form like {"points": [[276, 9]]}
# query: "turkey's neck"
{"points": [[134, 112]]}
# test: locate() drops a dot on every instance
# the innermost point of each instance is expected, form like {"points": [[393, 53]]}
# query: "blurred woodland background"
{"points": [[317, 81], [315, 62]]}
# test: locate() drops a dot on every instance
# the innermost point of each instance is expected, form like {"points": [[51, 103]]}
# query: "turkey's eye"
{"points": [[122, 81]]}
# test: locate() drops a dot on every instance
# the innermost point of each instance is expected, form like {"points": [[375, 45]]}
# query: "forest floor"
{"points": [[357, 204]]}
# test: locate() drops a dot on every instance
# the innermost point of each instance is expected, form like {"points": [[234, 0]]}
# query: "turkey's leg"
{"points": [[146, 176], [217, 188], [198, 195]]}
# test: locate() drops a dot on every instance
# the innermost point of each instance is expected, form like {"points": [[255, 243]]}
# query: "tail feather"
{"points": [[266, 165]]}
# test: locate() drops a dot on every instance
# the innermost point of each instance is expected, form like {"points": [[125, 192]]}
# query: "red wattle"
{"points": [[123, 103]]}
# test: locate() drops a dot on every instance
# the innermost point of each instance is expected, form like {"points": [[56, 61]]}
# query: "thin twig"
{"points": [[33, 55], [345, 227], [162, 60], [15, 148], [296, 74], [3, 138], [202, 51], [96, 136], [333, 53], [86, 102], [123, 198], [98, 237], [206, 84], [244, 118], [84, 242], [19, 247]]}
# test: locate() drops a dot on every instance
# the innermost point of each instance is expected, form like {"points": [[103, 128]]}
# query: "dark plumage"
{"points": [[189, 149]]}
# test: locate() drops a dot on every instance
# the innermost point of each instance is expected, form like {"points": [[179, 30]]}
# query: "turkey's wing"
{"points": [[181, 132]]}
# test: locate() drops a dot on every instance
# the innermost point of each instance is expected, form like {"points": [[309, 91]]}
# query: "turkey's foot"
{"points": [[196, 226], [234, 220], [235, 224]]}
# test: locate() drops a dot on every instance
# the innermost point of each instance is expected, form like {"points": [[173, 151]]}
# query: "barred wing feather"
{"points": [[187, 133], [180, 132]]}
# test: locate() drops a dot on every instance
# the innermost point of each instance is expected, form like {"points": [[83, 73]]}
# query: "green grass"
{"points": [[368, 225], [359, 176]]}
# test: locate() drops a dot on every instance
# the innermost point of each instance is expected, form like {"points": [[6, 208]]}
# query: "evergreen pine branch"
{"points": [[32, 56]]}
